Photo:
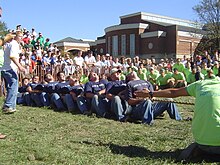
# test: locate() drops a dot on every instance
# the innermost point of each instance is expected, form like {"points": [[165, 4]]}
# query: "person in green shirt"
{"points": [[192, 76], [215, 68], [141, 74], [40, 39], [179, 78], [210, 75], [206, 118], [163, 81], [152, 77], [83, 74], [187, 71], [46, 44], [179, 65], [204, 68]]}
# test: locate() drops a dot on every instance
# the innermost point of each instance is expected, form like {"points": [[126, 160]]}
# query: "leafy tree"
{"points": [[208, 12], [3, 29]]}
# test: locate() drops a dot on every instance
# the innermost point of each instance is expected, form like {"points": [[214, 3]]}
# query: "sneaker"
{"points": [[8, 110]]}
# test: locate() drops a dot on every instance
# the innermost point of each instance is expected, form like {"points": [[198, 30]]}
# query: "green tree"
{"points": [[3, 29], [208, 12]]}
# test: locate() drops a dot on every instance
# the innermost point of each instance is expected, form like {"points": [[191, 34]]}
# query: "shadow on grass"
{"points": [[137, 151]]}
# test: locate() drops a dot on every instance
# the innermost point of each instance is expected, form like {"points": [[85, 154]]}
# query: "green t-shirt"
{"points": [[84, 79], [180, 67], [191, 78], [142, 76], [122, 77], [204, 71], [206, 119], [179, 76], [215, 70], [162, 80], [152, 78], [187, 72]]}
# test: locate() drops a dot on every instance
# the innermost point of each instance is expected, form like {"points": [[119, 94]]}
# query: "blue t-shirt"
{"points": [[50, 87], [78, 89], [22, 89], [33, 85], [115, 87], [136, 85], [62, 87], [94, 87]]}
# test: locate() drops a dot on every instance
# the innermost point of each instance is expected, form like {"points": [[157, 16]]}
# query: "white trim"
{"points": [[131, 15], [153, 34], [73, 44], [185, 41], [189, 34], [164, 20], [126, 26]]}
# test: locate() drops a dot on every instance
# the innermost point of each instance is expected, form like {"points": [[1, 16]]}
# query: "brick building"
{"points": [[149, 35]]}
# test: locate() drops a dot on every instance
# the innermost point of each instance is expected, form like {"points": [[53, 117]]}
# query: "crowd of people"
{"points": [[119, 88]]}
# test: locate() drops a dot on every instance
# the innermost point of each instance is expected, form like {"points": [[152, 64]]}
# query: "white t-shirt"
{"points": [[12, 49], [78, 61], [90, 59]]}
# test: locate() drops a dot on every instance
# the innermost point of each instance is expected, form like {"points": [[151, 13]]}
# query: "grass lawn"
{"points": [[42, 136]]}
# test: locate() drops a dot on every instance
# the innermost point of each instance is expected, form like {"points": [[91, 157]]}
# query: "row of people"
{"points": [[114, 98]]}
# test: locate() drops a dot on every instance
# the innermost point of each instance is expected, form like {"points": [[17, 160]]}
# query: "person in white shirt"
{"points": [[78, 60], [9, 71], [90, 59]]}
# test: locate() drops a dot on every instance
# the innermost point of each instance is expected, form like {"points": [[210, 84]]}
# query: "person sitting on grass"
{"points": [[179, 79], [206, 119], [143, 109]]}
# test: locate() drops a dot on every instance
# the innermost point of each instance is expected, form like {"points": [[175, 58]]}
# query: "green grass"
{"points": [[42, 136]]}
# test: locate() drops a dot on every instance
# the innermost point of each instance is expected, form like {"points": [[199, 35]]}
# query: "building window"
{"points": [[115, 45], [132, 45], [123, 44], [109, 44], [101, 50], [150, 45]]}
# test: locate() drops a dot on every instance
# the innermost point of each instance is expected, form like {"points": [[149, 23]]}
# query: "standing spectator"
{"points": [[40, 39], [90, 59], [9, 72], [46, 44], [78, 60], [33, 33]]}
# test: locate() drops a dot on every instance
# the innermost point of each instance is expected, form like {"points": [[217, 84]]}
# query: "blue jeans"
{"points": [[44, 98], [98, 105], [82, 104], [143, 111], [70, 103], [171, 108], [11, 83], [56, 101], [119, 107], [35, 97]]}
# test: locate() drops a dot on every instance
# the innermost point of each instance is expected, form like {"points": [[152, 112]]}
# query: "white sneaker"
{"points": [[8, 110]]}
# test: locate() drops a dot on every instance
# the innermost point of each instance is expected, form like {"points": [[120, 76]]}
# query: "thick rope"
{"points": [[173, 101]]}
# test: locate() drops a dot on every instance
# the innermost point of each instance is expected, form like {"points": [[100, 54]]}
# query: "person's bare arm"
{"points": [[15, 60], [171, 93], [135, 101]]}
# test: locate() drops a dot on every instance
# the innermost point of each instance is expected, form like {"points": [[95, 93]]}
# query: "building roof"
{"points": [[162, 20], [70, 39]]}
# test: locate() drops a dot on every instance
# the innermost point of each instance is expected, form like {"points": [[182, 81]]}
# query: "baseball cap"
{"points": [[115, 70]]}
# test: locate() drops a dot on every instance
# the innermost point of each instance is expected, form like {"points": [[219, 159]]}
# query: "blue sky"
{"points": [[85, 19]]}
